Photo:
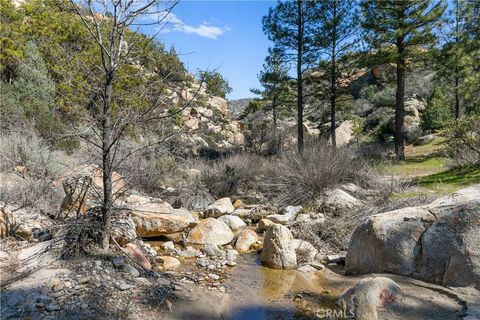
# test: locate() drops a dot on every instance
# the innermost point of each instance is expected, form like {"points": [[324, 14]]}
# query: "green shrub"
{"points": [[463, 145], [437, 112]]}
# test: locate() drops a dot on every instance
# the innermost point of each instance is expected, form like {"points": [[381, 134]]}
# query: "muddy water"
{"points": [[257, 292]]}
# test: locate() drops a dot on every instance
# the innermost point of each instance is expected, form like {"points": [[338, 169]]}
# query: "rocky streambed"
{"points": [[240, 261]]}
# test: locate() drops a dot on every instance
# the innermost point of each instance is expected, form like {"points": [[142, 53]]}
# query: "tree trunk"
{"points": [[457, 98], [333, 80], [107, 161], [299, 77], [274, 110], [400, 108]]}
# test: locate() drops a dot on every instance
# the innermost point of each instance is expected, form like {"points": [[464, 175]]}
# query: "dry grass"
{"points": [[297, 179]]}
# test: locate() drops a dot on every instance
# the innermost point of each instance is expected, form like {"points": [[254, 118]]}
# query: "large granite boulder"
{"points": [[278, 248], [156, 219], [211, 231], [439, 242]]}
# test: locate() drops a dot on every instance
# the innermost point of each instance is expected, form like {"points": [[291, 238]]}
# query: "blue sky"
{"points": [[222, 35]]}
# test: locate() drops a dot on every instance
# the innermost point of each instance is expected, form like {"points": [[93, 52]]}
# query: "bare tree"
{"points": [[113, 25]]}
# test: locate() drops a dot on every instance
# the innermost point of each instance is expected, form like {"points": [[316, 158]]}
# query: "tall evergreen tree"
{"points": [[402, 24], [454, 63], [337, 37], [274, 80], [292, 26]]}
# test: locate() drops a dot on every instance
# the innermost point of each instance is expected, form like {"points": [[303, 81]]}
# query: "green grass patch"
{"points": [[430, 149], [414, 167], [450, 180]]}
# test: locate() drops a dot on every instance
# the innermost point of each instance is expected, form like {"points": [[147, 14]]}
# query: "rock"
{"points": [[210, 230], [238, 204], [219, 208], [242, 213], [336, 258], [83, 280], [118, 262], [388, 242], [425, 139], [170, 263], [337, 200], [213, 276], [304, 250], [153, 220], [213, 250], [437, 243], [278, 248], [263, 225], [136, 254], [245, 240], [368, 295], [124, 286], [23, 231], [288, 215], [185, 214], [303, 217], [232, 255], [344, 133], [234, 222], [168, 246], [190, 253], [123, 229], [131, 270]]}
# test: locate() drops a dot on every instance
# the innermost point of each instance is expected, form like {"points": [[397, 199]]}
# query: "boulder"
{"points": [[425, 139], [212, 231], [186, 214], [136, 254], [278, 248], [304, 250], [234, 222], [245, 240], [438, 243], [369, 295], [344, 133], [219, 208], [337, 200], [123, 229], [156, 219], [170, 263], [288, 215], [213, 250]]}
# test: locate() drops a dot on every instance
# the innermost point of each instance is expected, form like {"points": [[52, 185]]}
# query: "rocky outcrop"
{"points": [[278, 248], [156, 219], [439, 242], [344, 133], [212, 231]]}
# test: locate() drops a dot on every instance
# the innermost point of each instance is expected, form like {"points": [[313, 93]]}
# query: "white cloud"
{"points": [[204, 29]]}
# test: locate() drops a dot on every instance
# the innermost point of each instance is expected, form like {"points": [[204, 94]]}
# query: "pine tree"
{"points": [[337, 37], [402, 24], [274, 80], [292, 26]]}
